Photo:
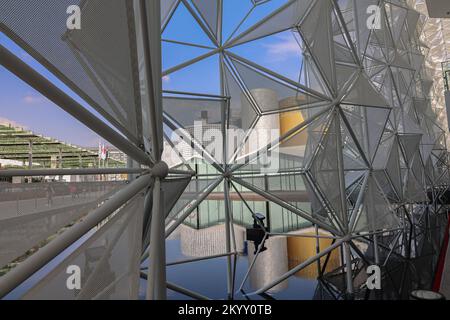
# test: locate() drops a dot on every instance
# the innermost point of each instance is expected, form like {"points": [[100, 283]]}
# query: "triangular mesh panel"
{"points": [[410, 144], [290, 188], [30, 213], [183, 27], [413, 189], [195, 111], [376, 212], [194, 190], [268, 91], [353, 158], [293, 148], [356, 18], [362, 93], [258, 51], [396, 16], [241, 116], [89, 60], [209, 12], [166, 8], [109, 261], [287, 17], [316, 31], [393, 167], [325, 170], [368, 125], [172, 190]]}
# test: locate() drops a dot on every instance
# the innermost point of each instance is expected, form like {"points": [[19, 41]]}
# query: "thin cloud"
{"points": [[284, 49], [166, 79], [32, 99]]}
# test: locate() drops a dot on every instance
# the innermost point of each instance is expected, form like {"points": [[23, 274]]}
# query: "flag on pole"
{"points": [[103, 152]]}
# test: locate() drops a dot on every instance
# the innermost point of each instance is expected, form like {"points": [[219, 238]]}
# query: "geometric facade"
{"points": [[435, 37], [344, 143]]}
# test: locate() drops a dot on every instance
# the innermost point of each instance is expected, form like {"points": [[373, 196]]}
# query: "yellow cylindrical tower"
{"points": [[291, 119], [301, 249]]}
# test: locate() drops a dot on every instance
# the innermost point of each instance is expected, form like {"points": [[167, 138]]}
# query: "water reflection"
{"points": [[301, 249], [270, 264], [208, 277], [323, 279], [208, 241]]}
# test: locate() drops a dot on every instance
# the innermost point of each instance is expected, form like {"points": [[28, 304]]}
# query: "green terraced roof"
{"points": [[17, 143]]}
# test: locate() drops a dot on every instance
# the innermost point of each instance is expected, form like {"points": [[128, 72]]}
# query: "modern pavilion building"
{"points": [[275, 149]]}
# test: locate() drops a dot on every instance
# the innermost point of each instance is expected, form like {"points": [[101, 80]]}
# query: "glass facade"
{"points": [[254, 127]]}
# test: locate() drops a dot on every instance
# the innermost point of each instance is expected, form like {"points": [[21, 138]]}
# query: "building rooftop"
{"points": [[18, 145]]}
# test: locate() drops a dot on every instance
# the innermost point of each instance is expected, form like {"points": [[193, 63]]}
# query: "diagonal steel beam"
{"points": [[300, 267], [62, 172], [285, 205], [44, 255], [68, 104], [185, 214]]}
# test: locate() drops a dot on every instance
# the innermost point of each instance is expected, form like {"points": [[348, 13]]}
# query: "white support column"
{"points": [[156, 283], [228, 227]]}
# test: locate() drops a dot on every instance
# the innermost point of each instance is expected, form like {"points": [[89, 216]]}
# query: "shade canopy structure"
{"points": [[306, 111]]}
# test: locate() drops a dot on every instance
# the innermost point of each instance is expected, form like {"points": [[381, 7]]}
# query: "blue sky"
{"points": [[23, 106]]}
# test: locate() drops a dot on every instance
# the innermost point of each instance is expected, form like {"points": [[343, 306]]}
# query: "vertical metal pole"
{"points": [[197, 189], [340, 169], [30, 154], [60, 164], [149, 33], [219, 22], [348, 274], [132, 164], [225, 117], [266, 188], [156, 283], [319, 267], [30, 158], [375, 250], [161, 288], [340, 160], [228, 227], [377, 260]]}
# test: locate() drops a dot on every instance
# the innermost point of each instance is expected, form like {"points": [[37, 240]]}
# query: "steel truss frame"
{"points": [[399, 241]]}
